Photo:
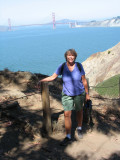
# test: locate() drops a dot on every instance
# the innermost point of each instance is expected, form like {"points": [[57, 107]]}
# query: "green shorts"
{"points": [[73, 102]]}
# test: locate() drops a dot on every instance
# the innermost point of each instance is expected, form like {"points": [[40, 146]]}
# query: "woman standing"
{"points": [[74, 93]]}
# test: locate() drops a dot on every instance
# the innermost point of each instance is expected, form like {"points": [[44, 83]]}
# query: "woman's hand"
{"points": [[87, 97], [39, 85]]}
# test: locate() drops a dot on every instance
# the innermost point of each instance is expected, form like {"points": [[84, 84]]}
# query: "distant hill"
{"points": [[103, 65], [113, 22], [66, 21], [3, 28]]}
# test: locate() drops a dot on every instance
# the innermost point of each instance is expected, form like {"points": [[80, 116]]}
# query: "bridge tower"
{"points": [[9, 24], [54, 23]]}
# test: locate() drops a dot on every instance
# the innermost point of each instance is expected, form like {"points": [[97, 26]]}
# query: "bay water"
{"points": [[41, 49]]}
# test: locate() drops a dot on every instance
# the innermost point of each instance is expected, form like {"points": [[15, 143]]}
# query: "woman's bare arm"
{"points": [[50, 78], [85, 86]]}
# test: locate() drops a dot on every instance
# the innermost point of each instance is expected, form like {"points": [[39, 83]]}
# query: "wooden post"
{"points": [[46, 108]]}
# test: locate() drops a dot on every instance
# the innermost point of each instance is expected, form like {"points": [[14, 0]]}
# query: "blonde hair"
{"points": [[70, 51]]}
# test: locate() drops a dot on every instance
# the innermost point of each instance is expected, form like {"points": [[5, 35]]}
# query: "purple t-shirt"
{"points": [[72, 81]]}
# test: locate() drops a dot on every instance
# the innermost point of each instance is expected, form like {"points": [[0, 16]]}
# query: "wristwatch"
{"points": [[86, 92]]}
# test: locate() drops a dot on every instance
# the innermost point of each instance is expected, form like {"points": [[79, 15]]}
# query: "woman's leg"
{"points": [[68, 122], [79, 117], [79, 103]]}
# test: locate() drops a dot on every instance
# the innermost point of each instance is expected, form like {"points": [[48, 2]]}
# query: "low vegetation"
{"points": [[110, 87], [109, 52]]}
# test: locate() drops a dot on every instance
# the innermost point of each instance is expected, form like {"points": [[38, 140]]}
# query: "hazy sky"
{"points": [[40, 11]]}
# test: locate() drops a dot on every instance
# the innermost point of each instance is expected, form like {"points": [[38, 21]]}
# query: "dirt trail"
{"points": [[101, 141]]}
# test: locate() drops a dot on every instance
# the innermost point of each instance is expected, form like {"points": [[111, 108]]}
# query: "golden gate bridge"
{"points": [[54, 23]]}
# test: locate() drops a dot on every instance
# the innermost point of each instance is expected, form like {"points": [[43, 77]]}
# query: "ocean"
{"points": [[41, 49]]}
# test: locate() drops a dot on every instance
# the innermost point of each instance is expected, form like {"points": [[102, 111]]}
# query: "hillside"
{"points": [[113, 22], [103, 65], [109, 87], [21, 121]]}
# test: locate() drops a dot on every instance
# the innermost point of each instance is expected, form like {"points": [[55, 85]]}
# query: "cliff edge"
{"points": [[103, 65]]}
